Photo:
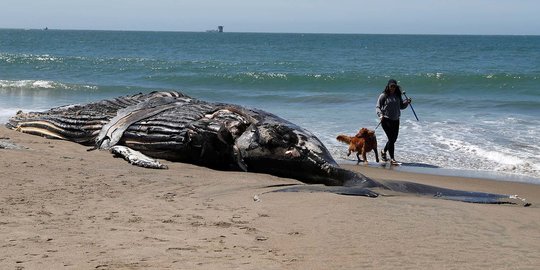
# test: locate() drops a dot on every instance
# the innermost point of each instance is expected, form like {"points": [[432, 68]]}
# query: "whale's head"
{"points": [[278, 147]]}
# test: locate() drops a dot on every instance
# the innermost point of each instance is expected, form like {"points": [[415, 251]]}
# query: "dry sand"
{"points": [[62, 207]]}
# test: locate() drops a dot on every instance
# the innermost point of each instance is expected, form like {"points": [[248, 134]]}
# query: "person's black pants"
{"points": [[391, 128]]}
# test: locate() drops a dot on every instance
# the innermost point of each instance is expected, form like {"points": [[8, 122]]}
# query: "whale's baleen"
{"points": [[176, 127]]}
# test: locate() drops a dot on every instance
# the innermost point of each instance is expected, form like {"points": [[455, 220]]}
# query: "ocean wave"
{"points": [[30, 58], [259, 80], [458, 150], [42, 84], [24, 58], [171, 72], [30, 84], [345, 80], [497, 157], [469, 82]]}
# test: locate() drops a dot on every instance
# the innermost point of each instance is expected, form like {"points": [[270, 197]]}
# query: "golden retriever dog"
{"points": [[362, 143]]}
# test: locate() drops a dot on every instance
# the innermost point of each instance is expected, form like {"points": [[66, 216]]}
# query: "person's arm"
{"points": [[404, 103], [379, 105]]}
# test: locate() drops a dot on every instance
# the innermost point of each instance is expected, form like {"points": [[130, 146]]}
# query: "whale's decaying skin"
{"points": [[175, 127]]}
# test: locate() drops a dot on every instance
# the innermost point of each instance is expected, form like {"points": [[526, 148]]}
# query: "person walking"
{"points": [[388, 107]]}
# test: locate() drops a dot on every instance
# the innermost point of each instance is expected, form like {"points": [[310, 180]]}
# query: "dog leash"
{"points": [[410, 105]]}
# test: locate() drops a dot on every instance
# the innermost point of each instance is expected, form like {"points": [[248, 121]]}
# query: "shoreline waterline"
{"points": [[427, 169]]}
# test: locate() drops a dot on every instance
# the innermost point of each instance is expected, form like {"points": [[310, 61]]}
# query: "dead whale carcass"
{"points": [[176, 127]]}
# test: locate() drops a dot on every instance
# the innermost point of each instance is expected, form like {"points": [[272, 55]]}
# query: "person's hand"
{"points": [[408, 101]]}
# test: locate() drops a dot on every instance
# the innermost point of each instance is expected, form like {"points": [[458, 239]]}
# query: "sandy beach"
{"points": [[63, 207]]}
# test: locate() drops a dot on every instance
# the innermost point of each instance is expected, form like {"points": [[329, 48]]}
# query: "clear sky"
{"points": [[513, 17]]}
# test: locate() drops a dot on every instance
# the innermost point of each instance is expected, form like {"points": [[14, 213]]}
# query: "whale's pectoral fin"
{"points": [[112, 132], [341, 190], [487, 198], [452, 194], [136, 158]]}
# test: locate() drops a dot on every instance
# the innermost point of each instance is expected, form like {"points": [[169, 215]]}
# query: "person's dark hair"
{"points": [[387, 88]]}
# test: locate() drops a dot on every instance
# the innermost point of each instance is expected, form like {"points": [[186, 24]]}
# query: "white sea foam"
{"points": [[46, 58], [42, 84], [498, 157], [438, 75], [31, 84], [265, 75], [490, 146]]}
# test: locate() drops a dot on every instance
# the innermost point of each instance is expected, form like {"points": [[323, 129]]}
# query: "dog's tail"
{"points": [[344, 138]]}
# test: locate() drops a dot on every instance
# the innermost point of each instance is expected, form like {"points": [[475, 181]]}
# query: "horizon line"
{"points": [[254, 32]]}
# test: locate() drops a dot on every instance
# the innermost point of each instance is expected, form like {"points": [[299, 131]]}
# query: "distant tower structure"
{"points": [[220, 28]]}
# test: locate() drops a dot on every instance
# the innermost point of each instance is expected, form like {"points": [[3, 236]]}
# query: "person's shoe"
{"points": [[394, 162], [383, 156]]}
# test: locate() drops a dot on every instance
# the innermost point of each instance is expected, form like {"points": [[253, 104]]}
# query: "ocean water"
{"points": [[477, 97]]}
